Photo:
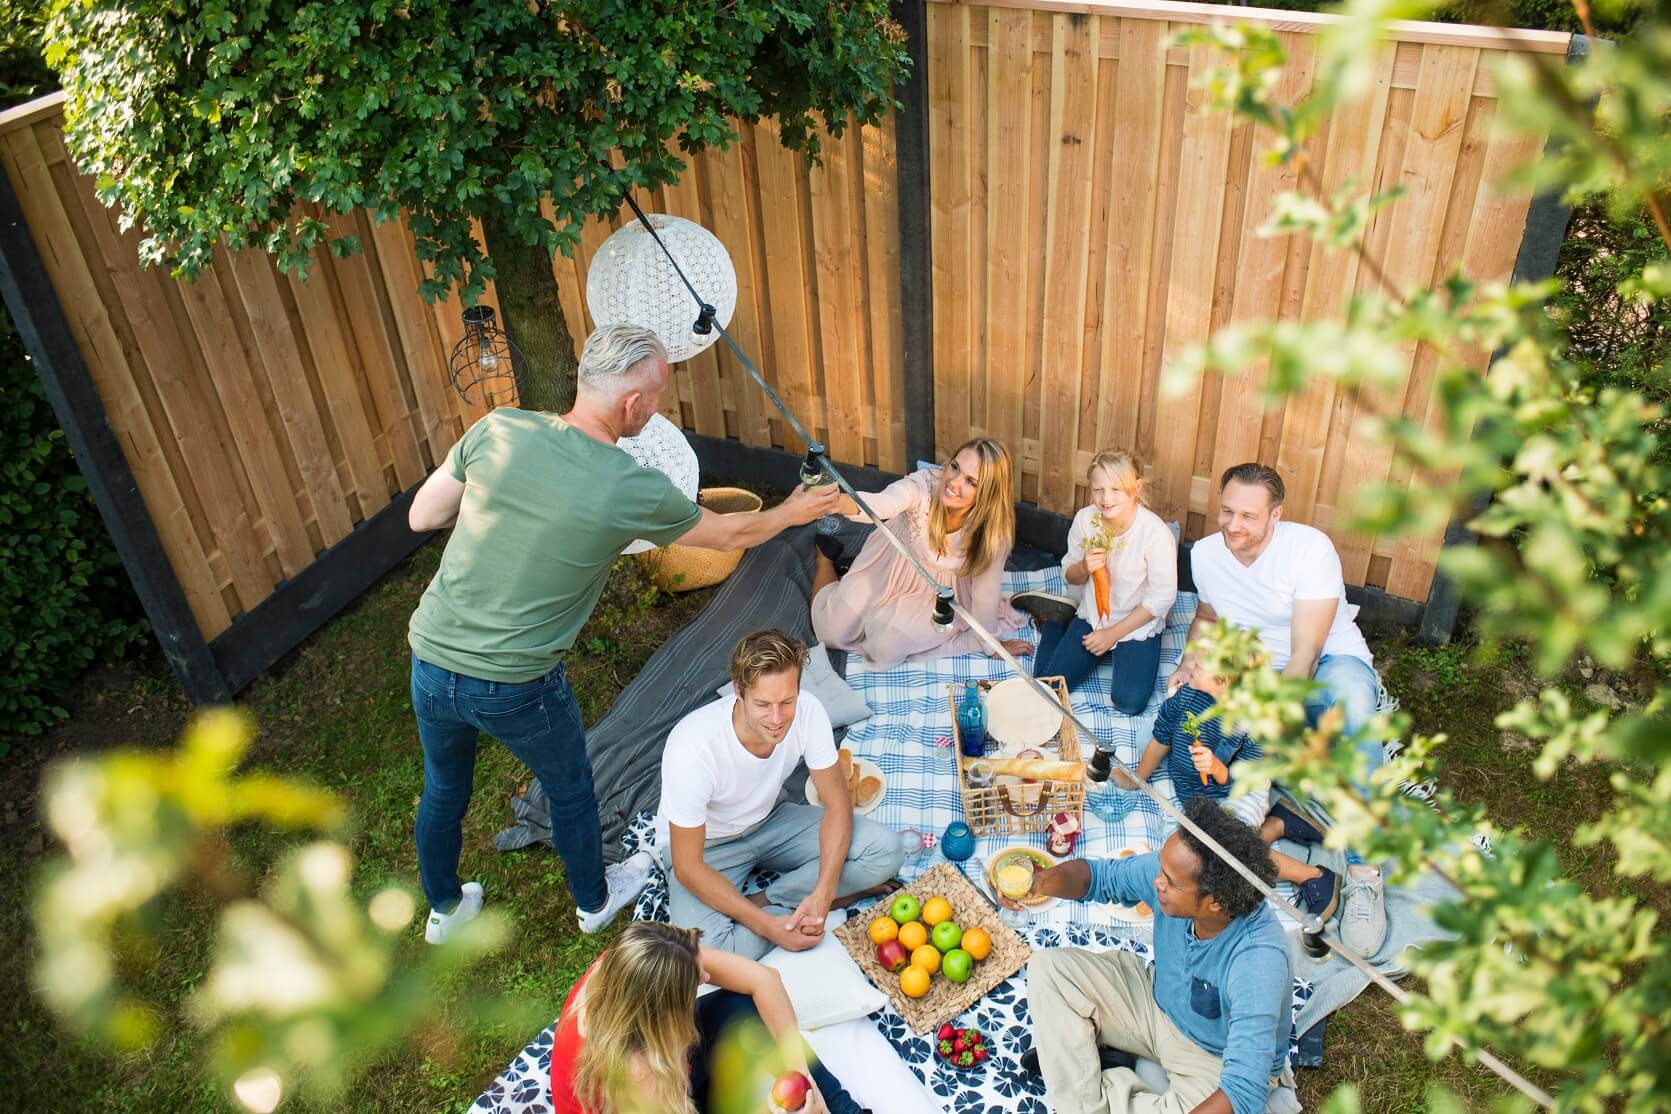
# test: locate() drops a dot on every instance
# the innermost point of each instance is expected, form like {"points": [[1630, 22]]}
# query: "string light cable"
{"points": [[1316, 943]]}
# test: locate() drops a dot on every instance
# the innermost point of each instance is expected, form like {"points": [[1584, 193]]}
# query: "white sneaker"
{"points": [[1363, 915], [625, 880], [443, 925]]}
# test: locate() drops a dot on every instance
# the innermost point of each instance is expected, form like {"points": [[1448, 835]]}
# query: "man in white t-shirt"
{"points": [[720, 817], [1283, 580]]}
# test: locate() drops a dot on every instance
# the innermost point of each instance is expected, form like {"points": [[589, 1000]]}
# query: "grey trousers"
{"points": [[1083, 999], [786, 842]]}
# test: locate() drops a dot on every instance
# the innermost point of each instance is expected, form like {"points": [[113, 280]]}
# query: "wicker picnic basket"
{"points": [[1024, 809], [685, 568], [945, 999]]}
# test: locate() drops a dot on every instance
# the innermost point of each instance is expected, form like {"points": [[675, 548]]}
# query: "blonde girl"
{"points": [[959, 522], [634, 1038], [1118, 533]]}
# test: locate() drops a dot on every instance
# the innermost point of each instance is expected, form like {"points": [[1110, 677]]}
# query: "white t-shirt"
{"points": [[1300, 563], [708, 778], [1142, 565]]}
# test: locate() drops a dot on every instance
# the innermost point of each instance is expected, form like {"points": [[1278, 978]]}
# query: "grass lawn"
{"points": [[336, 712]]}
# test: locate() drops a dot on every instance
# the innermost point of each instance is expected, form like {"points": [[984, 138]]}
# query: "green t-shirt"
{"points": [[546, 511]]}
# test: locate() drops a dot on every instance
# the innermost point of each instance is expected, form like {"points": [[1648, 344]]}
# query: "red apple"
{"points": [[790, 1090], [892, 955]]}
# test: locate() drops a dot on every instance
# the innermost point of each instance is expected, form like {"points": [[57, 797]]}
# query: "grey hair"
{"points": [[611, 353]]}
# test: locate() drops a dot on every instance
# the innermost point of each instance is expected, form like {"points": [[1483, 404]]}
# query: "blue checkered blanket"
{"points": [[908, 735]]}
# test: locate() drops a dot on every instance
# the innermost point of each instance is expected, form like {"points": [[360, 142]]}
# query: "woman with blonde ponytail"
{"points": [[634, 1038]]}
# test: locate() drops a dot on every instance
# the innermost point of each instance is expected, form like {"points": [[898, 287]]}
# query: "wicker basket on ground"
{"points": [[684, 568]]}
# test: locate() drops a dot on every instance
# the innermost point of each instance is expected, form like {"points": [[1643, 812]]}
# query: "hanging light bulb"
{"points": [[486, 366]]}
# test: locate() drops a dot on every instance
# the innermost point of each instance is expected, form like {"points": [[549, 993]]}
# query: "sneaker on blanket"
{"points": [[625, 880], [1321, 895], [1363, 920], [1045, 607], [442, 925]]}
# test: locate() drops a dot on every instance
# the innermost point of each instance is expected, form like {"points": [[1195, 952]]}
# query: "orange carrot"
{"points": [[1198, 770], [1100, 581]]}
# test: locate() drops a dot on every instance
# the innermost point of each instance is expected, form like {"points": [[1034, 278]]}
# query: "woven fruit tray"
{"points": [[945, 999]]}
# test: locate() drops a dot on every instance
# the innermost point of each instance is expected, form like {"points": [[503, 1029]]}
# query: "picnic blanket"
{"points": [[908, 736]]}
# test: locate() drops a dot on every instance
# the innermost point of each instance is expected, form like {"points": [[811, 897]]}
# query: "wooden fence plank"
{"points": [[420, 346], [882, 295], [735, 223], [790, 316], [1194, 237], [1072, 89], [948, 106], [278, 349], [1353, 149], [1009, 80], [683, 199], [834, 240], [207, 304]]}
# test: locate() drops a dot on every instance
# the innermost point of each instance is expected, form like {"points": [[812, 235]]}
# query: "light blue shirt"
{"points": [[1231, 994]]}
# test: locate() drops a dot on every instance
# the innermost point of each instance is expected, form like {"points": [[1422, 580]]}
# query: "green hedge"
{"points": [[65, 600]]}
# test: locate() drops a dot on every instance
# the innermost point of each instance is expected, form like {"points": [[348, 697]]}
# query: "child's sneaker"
{"points": [[1321, 895], [1045, 607], [1363, 921], [442, 925], [625, 880]]}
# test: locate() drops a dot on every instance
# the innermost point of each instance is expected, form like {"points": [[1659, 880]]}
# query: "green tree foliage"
{"points": [[1565, 450], [23, 72], [246, 121], [64, 598]]}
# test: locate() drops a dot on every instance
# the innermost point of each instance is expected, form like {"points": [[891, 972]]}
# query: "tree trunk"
{"points": [[533, 316]]}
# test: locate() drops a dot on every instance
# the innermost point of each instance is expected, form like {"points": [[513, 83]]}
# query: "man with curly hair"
{"points": [[1214, 1011]]}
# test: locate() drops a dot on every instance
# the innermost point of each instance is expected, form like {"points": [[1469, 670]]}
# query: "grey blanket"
{"points": [[771, 588]]}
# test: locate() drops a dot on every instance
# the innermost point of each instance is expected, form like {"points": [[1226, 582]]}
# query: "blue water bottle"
{"points": [[971, 721]]}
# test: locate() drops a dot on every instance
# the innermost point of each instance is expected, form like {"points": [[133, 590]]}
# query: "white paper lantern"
{"points": [[631, 280], [660, 445]]}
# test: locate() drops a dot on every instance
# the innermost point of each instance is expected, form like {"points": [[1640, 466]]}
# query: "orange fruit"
{"points": [[977, 943], [913, 981], [936, 910], [913, 935], [883, 929], [927, 957]]}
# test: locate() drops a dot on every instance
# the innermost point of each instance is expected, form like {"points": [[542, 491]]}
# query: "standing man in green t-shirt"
{"points": [[541, 506]]}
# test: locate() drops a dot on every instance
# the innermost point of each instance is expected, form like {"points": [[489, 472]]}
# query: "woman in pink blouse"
{"points": [[959, 522]]}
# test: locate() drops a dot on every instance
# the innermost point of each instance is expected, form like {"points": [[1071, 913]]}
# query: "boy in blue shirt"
{"points": [[1216, 1010], [1200, 755]]}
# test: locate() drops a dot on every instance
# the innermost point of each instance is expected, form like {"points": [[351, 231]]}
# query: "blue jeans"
{"points": [[1351, 684], [539, 722], [715, 1013], [1062, 653]]}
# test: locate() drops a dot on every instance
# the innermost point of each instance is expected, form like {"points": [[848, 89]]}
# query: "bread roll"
{"points": [[868, 789]]}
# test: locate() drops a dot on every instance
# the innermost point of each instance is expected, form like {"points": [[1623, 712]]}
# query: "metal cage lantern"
{"points": [[632, 280], [487, 367]]}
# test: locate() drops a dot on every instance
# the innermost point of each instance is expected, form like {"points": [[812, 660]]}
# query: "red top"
{"points": [[566, 1044]]}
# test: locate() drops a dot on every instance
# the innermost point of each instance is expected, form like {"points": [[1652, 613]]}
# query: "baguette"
{"points": [[1038, 769]]}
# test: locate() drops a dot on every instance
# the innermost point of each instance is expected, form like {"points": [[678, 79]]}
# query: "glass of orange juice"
{"points": [[1015, 877]]}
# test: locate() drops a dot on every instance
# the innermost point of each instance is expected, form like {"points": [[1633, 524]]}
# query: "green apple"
{"points": [[957, 965], [906, 909], [946, 936]]}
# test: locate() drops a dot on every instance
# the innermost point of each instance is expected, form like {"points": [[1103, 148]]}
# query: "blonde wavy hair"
{"points": [[989, 527], [1126, 470], [641, 1001]]}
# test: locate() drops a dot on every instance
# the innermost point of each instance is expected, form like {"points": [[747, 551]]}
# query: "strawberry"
{"points": [[945, 1048], [966, 1059], [946, 1032], [980, 1053], [958, 1045]]}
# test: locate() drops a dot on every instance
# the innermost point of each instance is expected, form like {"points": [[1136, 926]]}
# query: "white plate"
{"points": [[1016, 716], [867, 768], [1130, 913]]}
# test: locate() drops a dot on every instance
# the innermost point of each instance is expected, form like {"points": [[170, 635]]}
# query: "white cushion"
{"points": [[869, 1069], [843, 704], [825, 986]]}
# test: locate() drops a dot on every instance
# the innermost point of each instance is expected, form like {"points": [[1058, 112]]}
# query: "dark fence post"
{"points": [[1540, 250], [28, 293], [916, 282]]}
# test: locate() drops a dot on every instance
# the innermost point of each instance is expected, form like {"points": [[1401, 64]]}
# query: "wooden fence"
{"points": [[1084, 220], [264, 416], [1092, 219]]}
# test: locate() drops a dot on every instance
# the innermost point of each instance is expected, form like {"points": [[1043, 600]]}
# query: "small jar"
{"points": [[978, 774], [958, 843]]}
